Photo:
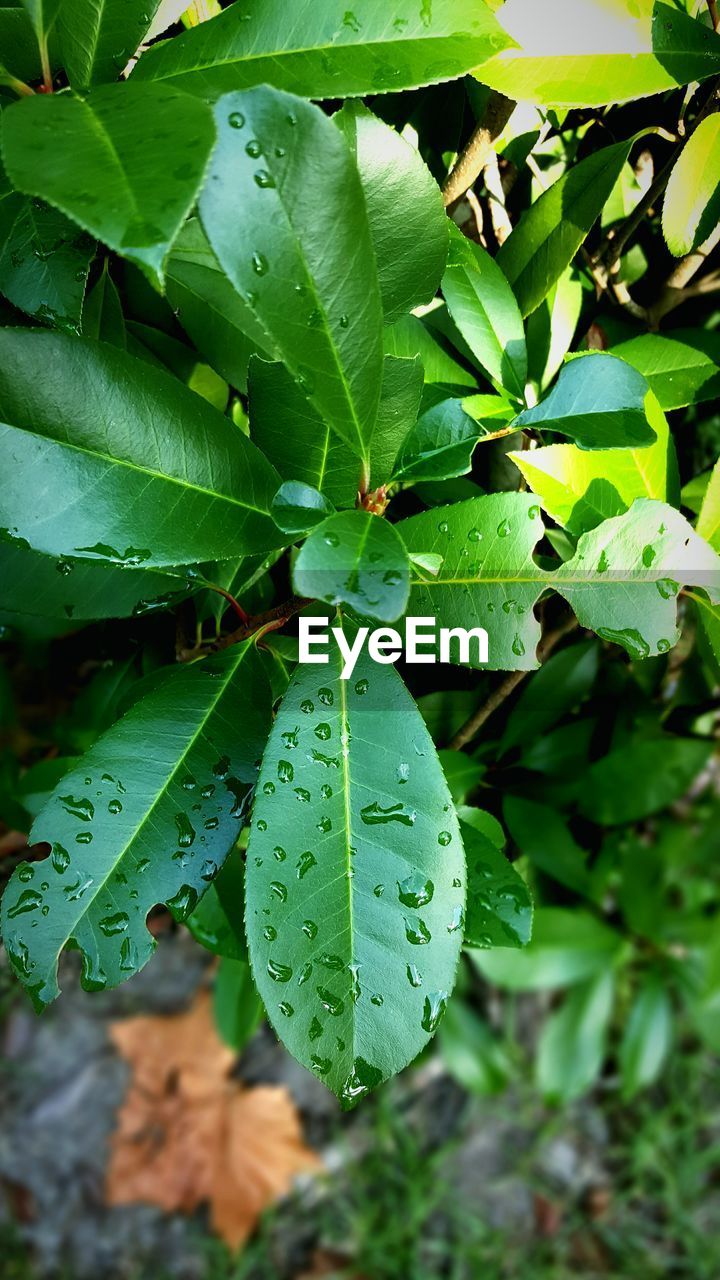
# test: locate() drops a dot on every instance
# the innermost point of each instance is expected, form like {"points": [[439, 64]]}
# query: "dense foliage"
{"points": [[261, 356]]}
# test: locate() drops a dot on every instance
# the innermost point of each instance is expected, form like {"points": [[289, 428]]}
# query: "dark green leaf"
{"points": [[102, 313], [293, 435], [98, 37], [641, 778], [147, 816], [131, 466], [125, 163], [598, 401], [355, 880], [470, 1052], [297, 507], [483, 306], [567, 946], [440, 445], [357, 559], [544, 837], [400, 397], [551, 231], [499, 906], [44, 261], [682, 367], [217, 921], [326, 52], [301, 254], [408, 225], [648, 1037], [237, 1006], [560, 684]]}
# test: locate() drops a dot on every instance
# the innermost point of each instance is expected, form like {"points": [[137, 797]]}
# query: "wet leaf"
{"points": [[357, 559]]}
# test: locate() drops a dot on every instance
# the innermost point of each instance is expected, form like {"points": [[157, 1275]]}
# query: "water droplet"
{"points": [[184, 902], [286, 1009], [208, 871], [310, 929], [60, 858], [334, 1005], [667, 587], [663, 646], [236, 120], [285, 771], [185, 830], [315, 1030], [323, 732], [268, 788], [443, 527], [648, 555], [83, 837], [64, 567], [414, 976], [307, 707], [324, 825], [361, 1080], [211, 824], [253, 148], [261, 824], [220, 769], [83, 809], [444, 838], [305, 973], [74, 892], [321, 1065], [603, 563], [279, 890], [518, 647], [114, 806], [362, 687], [264, 179], [416, 890], [269, 934], [326, 697], [475, 535], [189, 784], [129, 961], [458, 919], [260, 264], [417, 932], [533, 512], [279, 853], [326, 791], [208, 791], [302, 795], [29, 900], [374, 814], [279, 972], [630, 639], [503, 529], [433, 1010], [290, 739], [110, 925], [305, 863]]}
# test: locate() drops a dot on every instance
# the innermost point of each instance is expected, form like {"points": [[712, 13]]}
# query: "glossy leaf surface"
{"points": [[483, 306], [357, 559]]}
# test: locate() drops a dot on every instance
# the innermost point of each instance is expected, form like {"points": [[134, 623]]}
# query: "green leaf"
{"points": [[297, 507], [357, 559], [483, 306], [561, 684], [73, 589], [708, 525], [691, 208], [355, 877], [19, 45], [221, 326], [622, 582], [97, 37], [625, 576], [147, 816], [599, 401], [400, 396], [544, 837], [648, 1037], [681, 368], [551, 231], [127, 465], [551, 328], [237, 1006], [217, 921], [44, 262], [409, 337], [462, 773], [499, 906], [585, 53], [440, 444], [293, 435], [567, 946], [580, 488], [408, 225], [125, 163], [470, 1052], [103, 317], [572, 1042], [301, 255], [641, 778], [324, 53], [43, 15]]}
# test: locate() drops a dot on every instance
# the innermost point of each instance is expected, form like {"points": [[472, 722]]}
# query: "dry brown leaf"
{"points": [[188, 1135]]}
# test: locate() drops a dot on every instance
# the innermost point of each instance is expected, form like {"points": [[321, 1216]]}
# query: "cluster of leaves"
{"points": [[236, 321]]}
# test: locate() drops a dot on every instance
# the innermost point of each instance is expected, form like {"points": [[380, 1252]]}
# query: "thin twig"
{"points": [[714, 14], [473, 158], [476, 721], [270, 620]]}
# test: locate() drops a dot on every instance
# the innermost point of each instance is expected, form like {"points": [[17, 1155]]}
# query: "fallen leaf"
{"points": [[189, 1135]]}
